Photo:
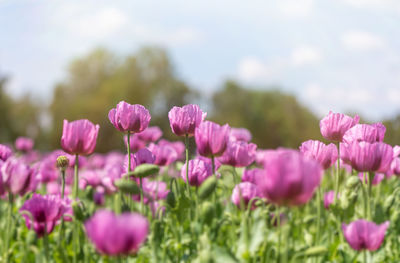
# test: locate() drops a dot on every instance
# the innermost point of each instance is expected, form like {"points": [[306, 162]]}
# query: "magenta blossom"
{"points": [[184, 120], [151, 134], [362, 234], [164, 154], [199, 171], [365, 132], [239, 154], [142, 156], [240, 134], [24, 144], [244, 193], [378, 177], [177, 145], [134, 142], [211, 138], [367, 157], [5, 152], [326, 155], [262, 155], [129, 231], [249, 175], [79, 137], [18, 178], [329, 197], [45, 211], [129, 118], [334, 125], [289, 178]]}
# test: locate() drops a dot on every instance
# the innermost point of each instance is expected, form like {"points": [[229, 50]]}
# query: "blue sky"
{"points": [[333, 55]]}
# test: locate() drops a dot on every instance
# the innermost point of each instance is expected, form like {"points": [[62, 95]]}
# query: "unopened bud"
{"points": [[62, 162]]}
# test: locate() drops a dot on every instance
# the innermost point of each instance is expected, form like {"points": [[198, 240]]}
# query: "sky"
{"points": [[339, 55]]}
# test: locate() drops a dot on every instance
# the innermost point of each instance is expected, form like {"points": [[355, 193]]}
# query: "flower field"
{"points": [[226, 200]]}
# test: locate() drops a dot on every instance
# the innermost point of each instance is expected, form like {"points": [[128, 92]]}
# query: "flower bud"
{"points": [[207, 188], [171, 201], [127, 186], [352, 182], [62, 162], [145, 170]]}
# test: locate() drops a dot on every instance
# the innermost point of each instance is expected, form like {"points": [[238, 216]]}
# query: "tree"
{"points": [[274, 118]]}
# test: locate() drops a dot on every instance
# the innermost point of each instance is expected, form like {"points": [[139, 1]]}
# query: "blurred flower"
{"points": [[79, 137], [262, 155], [54, 188], [199, 170], [45, 211], [239, 154], [378, 177], [152, 191], [367, 157], [151, 134], [326, 155], [17, 176], [184, 120], [117, 234], [129, 118], [244, 191], [329, 198], [96, 161], [5, 152], [334, 125], [362, 234], [249, 175], [48, 170], [155, 208], [177, 145], [289, 178], [135, 142], [365, 132], [211, 138], [140, 157], [24, 144], [165, 154], [240, 134]]}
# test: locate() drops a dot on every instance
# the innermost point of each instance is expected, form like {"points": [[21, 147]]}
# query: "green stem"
{"points": [[318, 215], [235, 176], [61, 230], [8, 225], [46, 244], [128, 150], [75, 196], [370, 178], [337, 183], [141, 196], [365, 196], [365, 256], [279, 234], [187, 165]]}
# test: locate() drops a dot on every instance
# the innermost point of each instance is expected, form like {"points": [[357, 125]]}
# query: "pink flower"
{"points": [[142, 156], [151, 134], [378, 177], [24, 144], [329, 198], [365, 132], [17, 176], [362, 234], [239, 154], [289, 178], [177, 145], [135, 142], [367, 157], [199, 171], [240, 134], [117, 234], [184, 120], [165, 154], [262, 155], [334, 125], [5, 152], [79, 137], [129, 118], [326, 155], [245, 191], [45, 212], [249, 175], [211, 138]]}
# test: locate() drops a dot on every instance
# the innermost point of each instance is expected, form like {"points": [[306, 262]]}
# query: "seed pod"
{"points": [[315, 251], [145, 170], [352, 182], [171, 201], [79, 214], [127, 186], [388, 202], [208, 212], [207, 188]]}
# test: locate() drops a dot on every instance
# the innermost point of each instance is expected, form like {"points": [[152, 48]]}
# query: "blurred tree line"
{"points": [[96, 82]]}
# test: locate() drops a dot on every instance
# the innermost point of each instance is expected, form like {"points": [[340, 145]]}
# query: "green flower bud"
{"points": [[208, 187], [145, 170], [127, 186], [62, 162], [171, 201]]}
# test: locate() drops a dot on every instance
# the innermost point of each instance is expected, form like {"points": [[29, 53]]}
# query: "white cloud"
{"points": [[305, 55], [101, 24], [362, 41], [296, 8], [382, 4], [251, 68]]}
